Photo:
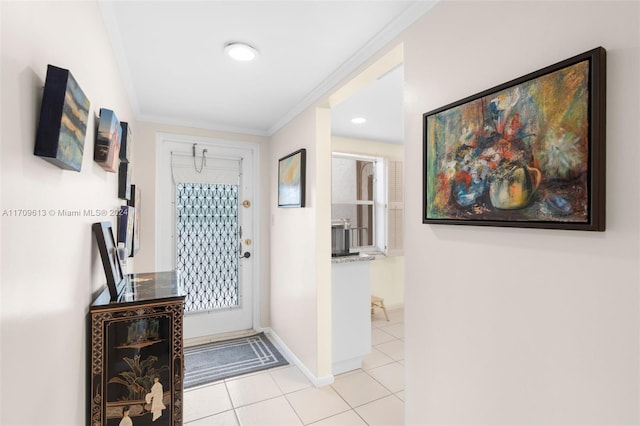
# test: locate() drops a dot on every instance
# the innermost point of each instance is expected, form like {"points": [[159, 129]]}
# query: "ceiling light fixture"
{"points": [[358, 120], [240, 51]]}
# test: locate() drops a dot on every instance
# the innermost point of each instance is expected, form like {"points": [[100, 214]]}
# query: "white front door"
{"points": [[205, 231]]}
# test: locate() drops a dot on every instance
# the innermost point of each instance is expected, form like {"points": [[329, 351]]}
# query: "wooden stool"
{"points": [[378, 302]]}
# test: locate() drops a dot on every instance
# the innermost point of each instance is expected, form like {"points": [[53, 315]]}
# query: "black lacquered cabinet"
{"points": [[136, 353]]}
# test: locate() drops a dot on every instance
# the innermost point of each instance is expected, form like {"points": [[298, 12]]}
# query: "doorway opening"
{"points": [[375, 96], [204, 230]]}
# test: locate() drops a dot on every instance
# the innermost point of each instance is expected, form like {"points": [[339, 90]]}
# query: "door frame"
{"points": [[164, 255]]}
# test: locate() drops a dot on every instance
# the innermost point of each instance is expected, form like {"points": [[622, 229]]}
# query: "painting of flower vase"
{"points": [[528, 153]]}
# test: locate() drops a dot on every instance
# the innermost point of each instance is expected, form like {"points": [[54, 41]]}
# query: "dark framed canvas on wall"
{"points": [[124, 180], [135, 202], [125, 229], [107, 147], [64, 115], [291, 179], [529, 153], [125, 142]]}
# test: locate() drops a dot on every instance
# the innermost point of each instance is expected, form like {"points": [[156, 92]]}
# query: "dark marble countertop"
{"points": [[144, 287], [356, 257]]}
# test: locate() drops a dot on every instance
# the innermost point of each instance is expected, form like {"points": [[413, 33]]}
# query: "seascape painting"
{"points": [[522, 154], [107, 147], [291, 180], [63, 120]]}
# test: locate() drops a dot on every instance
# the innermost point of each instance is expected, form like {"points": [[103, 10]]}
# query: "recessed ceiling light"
{"points": [[358, 120], [240, 51]]}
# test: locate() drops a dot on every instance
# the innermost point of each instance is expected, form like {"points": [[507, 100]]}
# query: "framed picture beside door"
{"points": [[291, 179]]}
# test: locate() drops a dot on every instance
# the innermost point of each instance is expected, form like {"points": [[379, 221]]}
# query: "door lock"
{"points": [[246, 204]]}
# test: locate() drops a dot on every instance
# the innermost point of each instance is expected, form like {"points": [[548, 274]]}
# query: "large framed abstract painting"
{"points": [[528, 153], [64, 114], [291, 179]]}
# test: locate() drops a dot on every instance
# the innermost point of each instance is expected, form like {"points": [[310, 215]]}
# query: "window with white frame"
{"points": [[360, 197]]}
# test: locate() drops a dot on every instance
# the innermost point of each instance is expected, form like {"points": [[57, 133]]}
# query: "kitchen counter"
{"points": [[351, 307], [358, 257], [352, 258]]}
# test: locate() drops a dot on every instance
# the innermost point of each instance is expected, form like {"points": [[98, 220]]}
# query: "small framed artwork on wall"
{"points": [[291, 179], [125, 227], [135, 202], [124, 180], [125, 142], [107, 147]]}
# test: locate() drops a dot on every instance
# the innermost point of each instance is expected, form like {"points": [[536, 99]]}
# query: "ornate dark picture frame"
{"points": [[528, 153], [291, 179]]}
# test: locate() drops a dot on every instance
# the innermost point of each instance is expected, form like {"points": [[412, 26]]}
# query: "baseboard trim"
{"points": [[201, 340], [290, 356], [393, 306]]}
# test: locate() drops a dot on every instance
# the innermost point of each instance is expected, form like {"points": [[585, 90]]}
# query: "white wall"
{"points": [[522, 326], [50, 266], [371, 148], [387, 280], [301, 246]]}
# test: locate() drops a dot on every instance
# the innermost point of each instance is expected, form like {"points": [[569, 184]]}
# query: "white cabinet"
{"points": [[351, 315]]}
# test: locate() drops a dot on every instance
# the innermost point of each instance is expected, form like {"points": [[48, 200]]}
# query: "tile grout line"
{"points": [[269, 373], [235, 413], [341, 412], [293, 408]]}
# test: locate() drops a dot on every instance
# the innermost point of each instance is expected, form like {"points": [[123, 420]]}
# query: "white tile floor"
{"points": [[283, 396]]}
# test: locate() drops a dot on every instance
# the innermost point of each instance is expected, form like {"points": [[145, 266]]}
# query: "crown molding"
{"points": [[375, 44], [113, 32], [157, 119]]}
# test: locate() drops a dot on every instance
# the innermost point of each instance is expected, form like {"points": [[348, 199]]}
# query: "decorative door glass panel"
{"points": [[207, 245]]}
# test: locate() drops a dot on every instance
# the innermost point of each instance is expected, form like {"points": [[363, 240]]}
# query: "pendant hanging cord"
{"points": [[203, 161]]}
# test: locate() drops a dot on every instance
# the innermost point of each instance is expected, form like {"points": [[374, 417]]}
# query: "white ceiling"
{"points": [[175, 71], [380, 103]]}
